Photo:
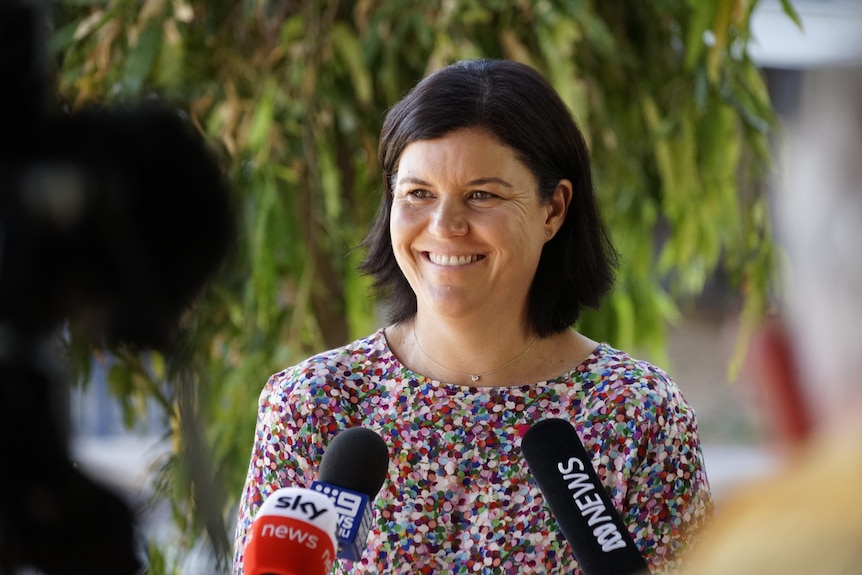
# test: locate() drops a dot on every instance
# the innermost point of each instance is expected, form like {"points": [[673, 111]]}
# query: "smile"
{"points": [[442, 260]]}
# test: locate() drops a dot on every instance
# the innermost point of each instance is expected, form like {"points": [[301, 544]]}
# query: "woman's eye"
{"points": [[419, 194], [481, 195]]}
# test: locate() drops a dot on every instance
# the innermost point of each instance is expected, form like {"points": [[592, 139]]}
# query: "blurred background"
{"points": [[683, 104]]}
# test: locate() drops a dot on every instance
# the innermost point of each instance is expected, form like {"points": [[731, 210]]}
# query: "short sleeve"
{"points": [[668, 499], [282, 453]]}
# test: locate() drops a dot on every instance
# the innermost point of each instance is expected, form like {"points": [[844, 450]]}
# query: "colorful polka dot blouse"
{"points": [[459, 497]]}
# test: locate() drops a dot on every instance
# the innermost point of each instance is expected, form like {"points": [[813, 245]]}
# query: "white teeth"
{"points": [[451, 260]]}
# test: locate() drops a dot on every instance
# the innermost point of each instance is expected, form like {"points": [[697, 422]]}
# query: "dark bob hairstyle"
{"points": [[518, 106]]}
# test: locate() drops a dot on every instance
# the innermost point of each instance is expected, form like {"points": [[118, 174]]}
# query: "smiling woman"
{"points": [[467, 229], [487, 247]]}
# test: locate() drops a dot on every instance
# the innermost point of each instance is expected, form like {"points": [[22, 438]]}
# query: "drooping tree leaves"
{"points": [[292, 95]]}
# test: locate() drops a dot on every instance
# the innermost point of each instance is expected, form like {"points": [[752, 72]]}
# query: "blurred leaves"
{"points": [[292, 95], [791, 12]]}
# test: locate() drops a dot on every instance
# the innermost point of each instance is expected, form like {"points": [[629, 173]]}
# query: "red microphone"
{"points": [[293, 534]]}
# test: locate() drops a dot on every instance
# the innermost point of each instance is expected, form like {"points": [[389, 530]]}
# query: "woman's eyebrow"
{"points": [[475, 182], [411, 180], [489, 180]]}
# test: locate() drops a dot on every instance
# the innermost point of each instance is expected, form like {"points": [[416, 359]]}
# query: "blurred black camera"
{"points": [[112, 219]]}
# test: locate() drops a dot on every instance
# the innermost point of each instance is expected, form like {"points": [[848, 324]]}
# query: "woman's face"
{"points": [[467, 225]]}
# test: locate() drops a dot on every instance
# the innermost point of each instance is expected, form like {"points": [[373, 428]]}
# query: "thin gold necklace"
{"points": [[473, 376]]}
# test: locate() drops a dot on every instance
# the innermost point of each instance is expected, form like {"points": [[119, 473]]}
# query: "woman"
{"points": [[487, 246]]}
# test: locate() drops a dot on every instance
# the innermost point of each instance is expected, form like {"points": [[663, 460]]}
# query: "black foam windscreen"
{"points": [[356, 459], [579, 501]]}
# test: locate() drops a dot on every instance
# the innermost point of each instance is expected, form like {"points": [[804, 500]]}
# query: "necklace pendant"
{"points": [[474, 377]]}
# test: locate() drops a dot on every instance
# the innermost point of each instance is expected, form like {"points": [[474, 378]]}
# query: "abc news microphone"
{"points": [[301, 531], [579, 502]]}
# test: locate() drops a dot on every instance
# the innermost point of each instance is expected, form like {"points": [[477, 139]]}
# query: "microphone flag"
{"points": [[579, 501], [293, 534]]}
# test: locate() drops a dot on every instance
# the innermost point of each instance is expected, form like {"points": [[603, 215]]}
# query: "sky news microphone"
{"points": [[293, 534], [579, 501], [352, 471]]}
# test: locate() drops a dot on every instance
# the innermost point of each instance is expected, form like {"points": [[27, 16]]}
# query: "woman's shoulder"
{"points": [[611, 364], [624, 379], [357, 353], [351, 361]]}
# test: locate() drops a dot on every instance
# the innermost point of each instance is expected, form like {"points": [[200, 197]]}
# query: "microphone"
{"points": [[293, 534], [579, 502], [352, 472]]}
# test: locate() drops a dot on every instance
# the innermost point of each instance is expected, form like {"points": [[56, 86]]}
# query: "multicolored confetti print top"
{"points": [[459, 497]]}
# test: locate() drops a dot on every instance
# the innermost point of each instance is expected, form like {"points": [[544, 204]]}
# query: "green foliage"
{"points": [[292, 95], [158, 563]]}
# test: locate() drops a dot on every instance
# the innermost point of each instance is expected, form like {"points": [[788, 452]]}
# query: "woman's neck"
{"points": [[482, 354]]}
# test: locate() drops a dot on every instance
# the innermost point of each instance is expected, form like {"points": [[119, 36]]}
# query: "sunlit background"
{"points": [[700, 347]]}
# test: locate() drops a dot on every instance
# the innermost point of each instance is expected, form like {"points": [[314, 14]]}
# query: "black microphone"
{"points": [[579, 502], [352, 471]]}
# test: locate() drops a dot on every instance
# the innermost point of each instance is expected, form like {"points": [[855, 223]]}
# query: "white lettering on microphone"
{"points": [[290, 533], [609, 537], [591, 505], [579, 482], [348, 506], [328, 560]]}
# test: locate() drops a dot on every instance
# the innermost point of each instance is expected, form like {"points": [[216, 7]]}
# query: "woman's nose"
{"points": [[449, 218]]}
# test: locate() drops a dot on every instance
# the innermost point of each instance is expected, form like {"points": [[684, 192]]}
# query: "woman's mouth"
{"points": [[442, 260]]}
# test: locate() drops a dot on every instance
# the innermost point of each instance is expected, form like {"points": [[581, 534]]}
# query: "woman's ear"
{"points": [[558, 206], [780, 390]]}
